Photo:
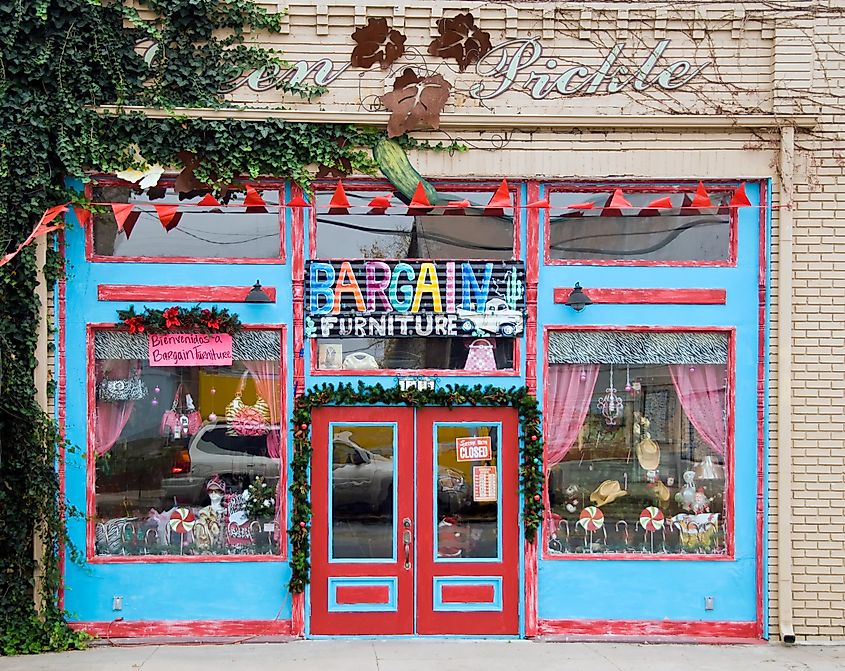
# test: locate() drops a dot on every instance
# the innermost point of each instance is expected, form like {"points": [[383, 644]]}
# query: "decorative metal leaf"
{"points": [[377, 43], [415, 102], [186, 182], [460, 39]]}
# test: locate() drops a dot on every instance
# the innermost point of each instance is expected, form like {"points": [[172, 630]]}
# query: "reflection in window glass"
{"points": [[394, 235], [467, 491], [201, 232], [187, 458], [637, 450], [362, 495], [647, 235], [356, 354]]}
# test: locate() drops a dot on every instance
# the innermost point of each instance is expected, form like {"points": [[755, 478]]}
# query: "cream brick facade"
{"points": [[771, 65]]}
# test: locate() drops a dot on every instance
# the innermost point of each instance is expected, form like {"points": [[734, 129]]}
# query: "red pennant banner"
{"points": [[297, 201], [254, 202], [339, 199], [209, 201], [740, 198], [420, 199], [701, 200], [41, 228], [660, 204], [169, 216], [121, 213], [130, 222], [618, 201], [501, 200], [83, 216], [537, 204], [459, 203], [581, 206]]}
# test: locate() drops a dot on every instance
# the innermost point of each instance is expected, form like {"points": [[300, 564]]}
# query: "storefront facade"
{"points": [[460, 290]]}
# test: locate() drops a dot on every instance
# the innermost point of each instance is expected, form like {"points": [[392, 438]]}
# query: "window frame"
{"points": [[91, 555], [678, 186], [378, 187], [730, 410], [168, 181]]}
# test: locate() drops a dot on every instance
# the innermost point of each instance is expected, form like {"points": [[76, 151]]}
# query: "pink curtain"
{"points": [[266, 376], [701, 389], [569, 391], [112, 416]]}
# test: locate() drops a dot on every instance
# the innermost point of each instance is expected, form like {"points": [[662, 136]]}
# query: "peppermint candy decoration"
{"points": [[652, 519], [591, 518], [182, 520]]}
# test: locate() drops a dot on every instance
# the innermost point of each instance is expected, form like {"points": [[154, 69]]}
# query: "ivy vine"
{"points": [[519, 398]]}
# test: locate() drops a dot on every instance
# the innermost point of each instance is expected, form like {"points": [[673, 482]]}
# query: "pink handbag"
{"points": [[176, 424], [480, 356]]}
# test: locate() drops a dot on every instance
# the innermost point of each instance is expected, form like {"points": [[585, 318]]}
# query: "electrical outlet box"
{"points": [[117, 603], [708, 603]]}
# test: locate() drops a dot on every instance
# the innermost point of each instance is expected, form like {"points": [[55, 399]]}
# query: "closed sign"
{"points": [[474, 449]]}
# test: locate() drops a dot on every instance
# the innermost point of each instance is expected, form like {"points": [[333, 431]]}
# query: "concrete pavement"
{"points": [[439, 655]]}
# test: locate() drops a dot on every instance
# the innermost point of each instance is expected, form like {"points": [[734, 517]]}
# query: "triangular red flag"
{"points": [[339, 200], [83, 216], [420, 198], [380, 202], [253, 198], [740, 198], [615, 205], [660, 204], [209, 201], [169, 216], [459, 203], [581, 206], [501, 200], [297, 201], [121, 213], [537, 204], [701, 200]]}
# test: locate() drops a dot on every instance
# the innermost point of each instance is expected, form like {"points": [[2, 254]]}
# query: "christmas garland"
{"points": [[178, 319], [519, 398]]}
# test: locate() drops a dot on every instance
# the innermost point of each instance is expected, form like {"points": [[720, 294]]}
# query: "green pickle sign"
{"points": [[412, 299]]}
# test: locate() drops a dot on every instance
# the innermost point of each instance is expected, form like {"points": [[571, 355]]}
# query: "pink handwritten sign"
{"points": [[190, 349]]}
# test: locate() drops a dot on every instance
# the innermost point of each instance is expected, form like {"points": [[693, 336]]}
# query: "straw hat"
{"points": [[648, 454], [607, 492], [661, 492]]}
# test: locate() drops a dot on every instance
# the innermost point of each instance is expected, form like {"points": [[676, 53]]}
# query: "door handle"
{"points": [[407, 538]]}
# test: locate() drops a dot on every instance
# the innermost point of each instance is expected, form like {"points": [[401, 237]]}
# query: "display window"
{"points": [[233, 230], [638, 442], [659, 226], [187, 459], [458, 240]]}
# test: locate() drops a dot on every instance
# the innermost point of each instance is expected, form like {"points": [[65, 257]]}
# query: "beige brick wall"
{"points": [[780, 58]]}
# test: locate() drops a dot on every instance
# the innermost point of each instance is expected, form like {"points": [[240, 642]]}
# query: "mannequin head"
{"points": [[216, 490]]}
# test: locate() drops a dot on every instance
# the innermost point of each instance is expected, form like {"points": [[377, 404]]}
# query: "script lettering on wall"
{"points": [[396, 299]]}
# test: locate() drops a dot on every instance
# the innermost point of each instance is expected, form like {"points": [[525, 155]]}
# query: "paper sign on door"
{"points": [[474, 449], [190, 349], [484, 484]]}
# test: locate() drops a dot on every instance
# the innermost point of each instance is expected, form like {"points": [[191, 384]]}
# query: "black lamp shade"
{"points": [[257, 294], [578, 300]]}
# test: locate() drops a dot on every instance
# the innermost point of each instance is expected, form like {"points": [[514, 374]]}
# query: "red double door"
{"points": [[415, 527]]}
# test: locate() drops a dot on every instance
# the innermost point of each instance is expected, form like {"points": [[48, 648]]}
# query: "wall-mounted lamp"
{"points": [[257, 294], [578, 300]]}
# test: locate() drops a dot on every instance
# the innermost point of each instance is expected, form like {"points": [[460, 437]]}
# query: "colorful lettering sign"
{"points": [[476, 448], [190, 349], [398, 299]]}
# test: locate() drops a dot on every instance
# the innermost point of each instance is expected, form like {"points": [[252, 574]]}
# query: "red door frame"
{"points": [[457, 596]]}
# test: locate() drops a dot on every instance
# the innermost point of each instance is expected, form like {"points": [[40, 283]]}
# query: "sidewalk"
{"points": [[438, 655]]}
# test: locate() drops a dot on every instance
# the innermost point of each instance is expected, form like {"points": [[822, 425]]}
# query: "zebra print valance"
{"points": [[637, 347], [246, 344]]}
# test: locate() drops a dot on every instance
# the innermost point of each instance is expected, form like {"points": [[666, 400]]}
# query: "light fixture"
{"points": [[257, 294], [578, 300]]}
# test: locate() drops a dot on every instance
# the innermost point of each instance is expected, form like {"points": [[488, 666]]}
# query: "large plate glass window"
{"points": [[188, 459], [197, 232], [637, 442], [660, 227]]}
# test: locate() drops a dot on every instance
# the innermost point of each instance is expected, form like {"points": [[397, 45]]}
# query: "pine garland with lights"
{"points": [[519, 398]]}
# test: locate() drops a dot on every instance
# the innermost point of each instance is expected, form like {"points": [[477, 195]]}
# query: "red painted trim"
{"points": [[648, 628], [91, 470], [467, 593], [349, 594], [729, 466], [185, 628], [532, 272], [297, 622], [647, 296], [176, 294], [298, 289], [169, 181], [679, 186]]}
